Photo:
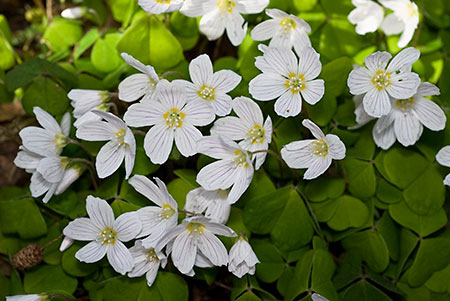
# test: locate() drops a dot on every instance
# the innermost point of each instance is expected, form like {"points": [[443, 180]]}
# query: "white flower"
{"points": [[219, 15], [242, 259], [249, 127], [138, 85], [193, 236], [209, 86], [65, 244], [317, 297], [51, 138], [234, 167], [407, 118], [160, 6], [288, 80], [367, 16], [443, 158], [106, 235], [156, 221], [76, 12], [30, 297], [404, 20], [213, 202], [314, 154], [121, 145], [84, 101], [284, 30], [172, 118], [71, 174], [378, 82], [146, 261], [27, 160], [362, 117]]}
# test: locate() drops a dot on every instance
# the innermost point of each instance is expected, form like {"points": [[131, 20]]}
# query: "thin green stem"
{"points": [[316, 224], [91, 169], [80, 145]]}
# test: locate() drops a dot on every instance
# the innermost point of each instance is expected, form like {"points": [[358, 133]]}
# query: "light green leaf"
{"points": [[73, 266], [361, 177], [350, 212], [271, 264], [157, 46], [104, 55], [85, 42], [62, 33], [323, 188], [48, 278]]}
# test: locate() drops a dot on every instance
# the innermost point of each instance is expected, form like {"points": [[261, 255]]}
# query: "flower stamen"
{"points": [[107, 236], [295, 83], [167, 211], [195, 228], [257, 134], [206, 93], [174, 118], [320, 148], [288, 24], [381, 80]]}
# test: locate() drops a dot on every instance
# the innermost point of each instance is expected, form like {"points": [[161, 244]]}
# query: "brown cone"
{"points": [[28, 257]]}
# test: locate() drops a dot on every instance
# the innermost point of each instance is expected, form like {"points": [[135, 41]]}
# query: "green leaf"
{"points": [[185, 29], [300, 280], [322, 271], [157, 46], [48, 95], [188, 175], [48, 278], [246, 62], [143, 165], [350, 212], [322, 112], [167, 286], [7, 58], [23, 217], [408, 242], [271, 264], [433, 254], [423, 225], [119, 207], [361, 177], [427, 193], [27, 72], [85, 42], [115, 289], [390, 234], [335, 75], [338, 37], [104, 55], [62, 33], [73, 266], [261, 212], [248, 296], [179, 188], [323, 188], [388, 193], [371, 247], [364, 147], [363, 290], [67, 204], [122, 9], [439, 281], [348, 270], [294, 227], [404, 166]]}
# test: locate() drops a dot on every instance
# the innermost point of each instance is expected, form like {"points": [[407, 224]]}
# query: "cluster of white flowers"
{"points": [[368, 16], [396, 96], [174, 112]]}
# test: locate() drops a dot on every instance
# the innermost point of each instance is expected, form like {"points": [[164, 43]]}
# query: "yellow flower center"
{"points": [[151, 255], [108, 236], [381, 80], [288, 24], [120, 137], [241, 158], [411, 10], [167, 211], [206, 93], [295, 83], [195, 228], [404, 104], [257, 134], [320, 148], [226, 6], [60, 141], [174, 118]]}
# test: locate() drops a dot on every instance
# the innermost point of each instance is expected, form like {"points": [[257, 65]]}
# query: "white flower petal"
{"points": [[392, 25], [264, 30], [51, 169], [127, 226], [242, 179], [429, 114], [282, 60], [158, 143], [99, 212], [407, 129], [184, 252], [39, 141], [186, 139], [213, 248], [385, 138], [219, 229], [92, 252], [198, 113], [315, 130], [376, 102], [109, 159], [427, 89], [217, 175], [443, 156], [201, 69], [406, 35], [26, 159], [215, 147], [223, 81], [253, 6], [318, 167], [288, 104], [267, 86], [95, 131], [247, 110], [135, 86], [147, 188], [309, 64], [172, 95], [120, 258], [336, 148], [149, 70], [144, 114], [313, 91], [298, 154], [46, 120], [212, 25], [39, 185], [406, 57], [130, 156], [377, 61], [151, 274], [66, 124], [230, 127], [359, 81], [447, 180], [403, 85], [82, 229], [221, 104]]}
